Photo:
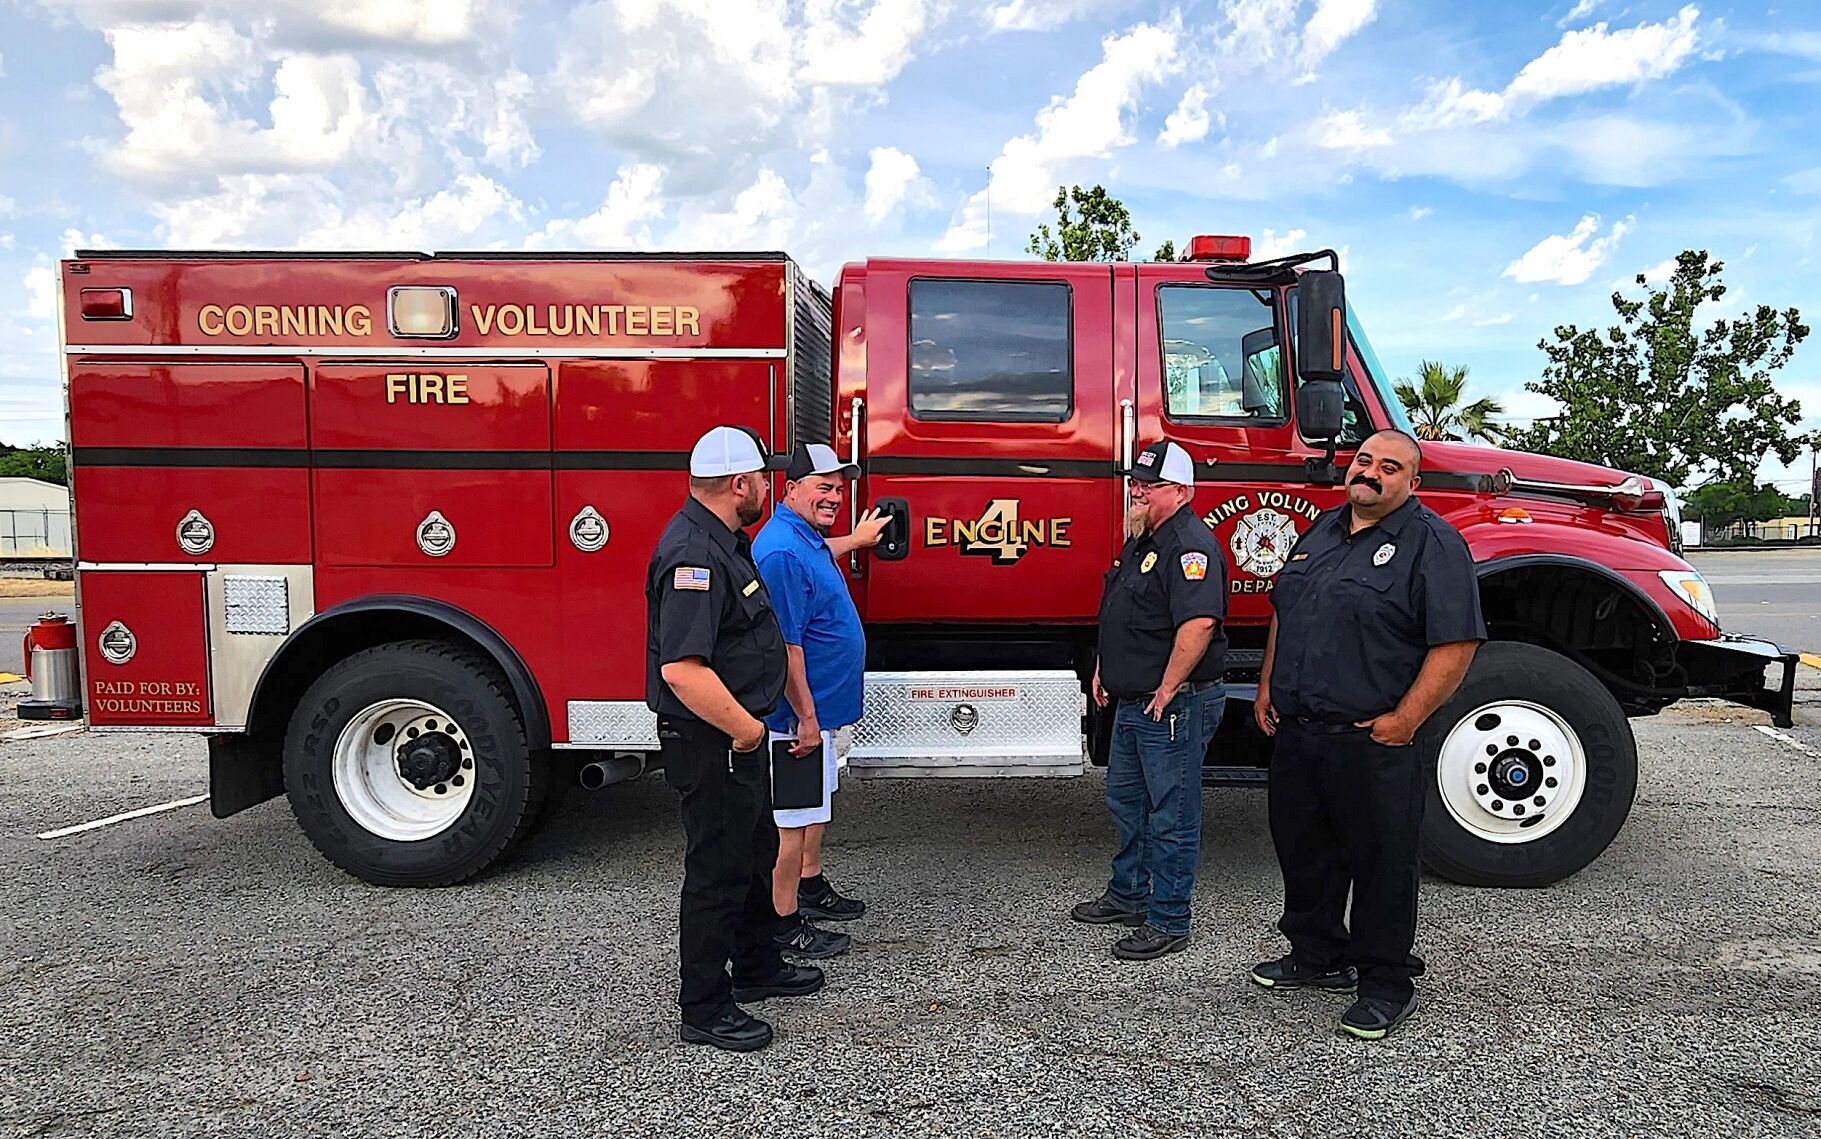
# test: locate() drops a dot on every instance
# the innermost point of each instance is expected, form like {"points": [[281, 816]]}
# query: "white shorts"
{"points": [[833, 749]]}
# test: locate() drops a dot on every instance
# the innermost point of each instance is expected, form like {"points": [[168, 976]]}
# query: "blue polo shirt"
{"points": [[817, 614]]}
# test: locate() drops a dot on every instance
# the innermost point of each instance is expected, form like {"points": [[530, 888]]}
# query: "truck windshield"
{"points": [[1376, 376]]}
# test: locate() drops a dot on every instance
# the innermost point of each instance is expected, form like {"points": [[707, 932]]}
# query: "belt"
{"points": [[1324, 727], [1189, 689]]}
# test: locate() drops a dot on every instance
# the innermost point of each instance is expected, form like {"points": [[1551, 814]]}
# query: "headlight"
{"points": [[1693, 589]]}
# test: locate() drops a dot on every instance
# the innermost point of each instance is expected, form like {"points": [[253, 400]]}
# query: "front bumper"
{"points": [[1739, 669]]}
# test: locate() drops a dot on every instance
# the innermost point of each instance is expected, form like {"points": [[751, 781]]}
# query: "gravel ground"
{"points": [[179, 975]]}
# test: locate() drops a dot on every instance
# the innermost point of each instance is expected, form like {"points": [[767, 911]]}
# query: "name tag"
{"points": [[752, 587]]}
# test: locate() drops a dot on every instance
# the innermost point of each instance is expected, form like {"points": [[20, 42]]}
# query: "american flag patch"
{"points": [[689, 577]]}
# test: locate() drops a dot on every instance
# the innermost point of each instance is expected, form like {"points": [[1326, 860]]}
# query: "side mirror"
{"points": [[1320, 405], [1262, 370], [1321, 326]]}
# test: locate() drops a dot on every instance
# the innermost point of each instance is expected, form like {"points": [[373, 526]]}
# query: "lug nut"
{"points": [[1483, 789], [1479, 769], [1539, 800], [1549, 782], [1549, 761], [442, 789], [1517, 809], [457, 782]]}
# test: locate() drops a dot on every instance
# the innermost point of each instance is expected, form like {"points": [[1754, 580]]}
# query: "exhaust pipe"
{"points": [[619, 768]]}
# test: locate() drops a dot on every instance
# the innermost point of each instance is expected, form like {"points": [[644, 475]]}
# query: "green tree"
{"points": [[1091, 225], [1723, 505], [50, 464], [1656, 395], [1166, 251], [1434, 400]]}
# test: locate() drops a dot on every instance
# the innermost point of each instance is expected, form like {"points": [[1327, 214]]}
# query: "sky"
{"points": [[1488, 171]]}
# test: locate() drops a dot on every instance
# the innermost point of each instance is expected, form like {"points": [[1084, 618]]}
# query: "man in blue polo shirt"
{"points": [[826, 650]]}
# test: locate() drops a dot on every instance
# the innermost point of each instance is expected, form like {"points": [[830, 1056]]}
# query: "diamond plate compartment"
{"points": [[613, 723], [256, 604], [970, 724]]}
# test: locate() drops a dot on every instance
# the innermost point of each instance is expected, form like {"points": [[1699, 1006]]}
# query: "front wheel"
{"points": [[1533, 767], [407, 765]]}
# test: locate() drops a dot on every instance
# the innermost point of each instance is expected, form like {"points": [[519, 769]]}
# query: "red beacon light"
{"points": [[1221, 247]]}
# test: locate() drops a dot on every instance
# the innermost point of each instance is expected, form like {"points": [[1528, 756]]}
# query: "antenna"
{"points": [[989, 213]]}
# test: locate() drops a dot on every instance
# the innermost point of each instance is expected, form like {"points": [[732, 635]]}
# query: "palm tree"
{"points": [[1436, 409]]}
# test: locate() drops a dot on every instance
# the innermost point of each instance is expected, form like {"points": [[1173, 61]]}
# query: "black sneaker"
{"points": [[734, 1031], [1284, 973], [1105, 911], [1373, 1018], [791, 981], [806, 941], [1148, 943], [823, 902]]}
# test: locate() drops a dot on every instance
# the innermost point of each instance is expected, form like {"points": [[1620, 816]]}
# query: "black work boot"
{"points": [[791, 981], [1374, 1018], [818, 899], [734, 1030], [800, 939], [1105, 911], [1149, 942], [1285, 974]]}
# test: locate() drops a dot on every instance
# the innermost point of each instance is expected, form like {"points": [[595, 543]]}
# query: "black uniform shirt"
{"points": [[1160, 581], [704, 598], [1358, 613]]}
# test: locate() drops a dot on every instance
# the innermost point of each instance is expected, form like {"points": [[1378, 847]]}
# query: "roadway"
{"points": [[1774, 594]]}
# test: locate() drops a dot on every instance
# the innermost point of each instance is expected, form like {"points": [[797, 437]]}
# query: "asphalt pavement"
{"points": [[1775, 594], [180, 975]]}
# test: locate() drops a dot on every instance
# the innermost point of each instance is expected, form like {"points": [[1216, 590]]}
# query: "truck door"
{"points": [[992, 427], [1214, 375]]}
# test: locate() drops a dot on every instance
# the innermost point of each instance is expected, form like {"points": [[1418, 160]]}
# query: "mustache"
{"points": [[1367, 480]]}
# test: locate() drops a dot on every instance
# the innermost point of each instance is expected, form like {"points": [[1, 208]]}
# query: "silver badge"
{"points": [[195, 534], [117, 644], [588, 530], [1384, 554], [435, 534], [964, 718]]}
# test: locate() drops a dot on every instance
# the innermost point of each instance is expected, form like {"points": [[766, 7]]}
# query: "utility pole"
{"points": [[1814, 484]]}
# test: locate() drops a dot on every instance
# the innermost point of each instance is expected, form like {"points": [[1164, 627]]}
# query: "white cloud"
{"points": [[1189, 121], [1660, 272], [1345, 130], [840, 50], [1495, 321], [1271, 245], [1418, 213], [763, 216], [1040, 15], [8, 207], [1581, 10], [1593, 58], [893, 181], [1089, 123], [1571, 259], [1333, 22], [634, 199], [41, 290], [1451, 103], [1260, 30]]}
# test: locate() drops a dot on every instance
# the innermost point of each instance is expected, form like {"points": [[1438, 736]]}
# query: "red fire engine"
{"points": [[377, 524]]}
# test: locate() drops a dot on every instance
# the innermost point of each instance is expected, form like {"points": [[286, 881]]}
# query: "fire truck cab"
{"points": [[377, 525]]}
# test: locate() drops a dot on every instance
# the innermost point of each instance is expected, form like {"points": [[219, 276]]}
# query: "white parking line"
{"points": [[1791, 741], [125, 815]]}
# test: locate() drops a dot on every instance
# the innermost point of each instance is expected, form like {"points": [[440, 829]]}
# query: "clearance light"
{"points": [[106, 304], [1210, 247], [421, 311], [1693, 589], [1514, 515]]}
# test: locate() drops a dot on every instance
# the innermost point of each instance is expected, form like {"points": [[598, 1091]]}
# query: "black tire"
{"points": [[510, 785], [1510, 671]]}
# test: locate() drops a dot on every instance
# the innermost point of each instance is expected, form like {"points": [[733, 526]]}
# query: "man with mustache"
{"points": [[715, 665], [1377, 619], [1161, 649], [826, 666]]}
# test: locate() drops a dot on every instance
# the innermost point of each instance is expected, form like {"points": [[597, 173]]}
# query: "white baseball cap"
{"points": [[727, 451], [1164, 461]]}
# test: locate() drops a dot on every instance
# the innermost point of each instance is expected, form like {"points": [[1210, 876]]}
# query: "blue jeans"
{"points": [[1154, 794]]}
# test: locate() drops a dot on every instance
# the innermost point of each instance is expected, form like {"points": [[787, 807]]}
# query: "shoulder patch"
{"points": [[690, 577], [1194, 566]]}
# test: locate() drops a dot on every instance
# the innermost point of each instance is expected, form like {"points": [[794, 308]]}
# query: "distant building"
{"points": [[34, 519]]}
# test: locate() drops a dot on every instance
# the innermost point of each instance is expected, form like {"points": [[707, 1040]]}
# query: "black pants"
{"points": [[727, 913], [1345, 812]]}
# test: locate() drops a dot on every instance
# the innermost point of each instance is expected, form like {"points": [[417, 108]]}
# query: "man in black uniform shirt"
{"points": [[1160, 656], [1377, 619], [714, 667]]}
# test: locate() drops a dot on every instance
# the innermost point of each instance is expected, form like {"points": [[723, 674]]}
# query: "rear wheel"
{"points": [[407, 765], [1534, 769]]}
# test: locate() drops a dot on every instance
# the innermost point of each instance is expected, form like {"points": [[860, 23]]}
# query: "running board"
{"points": [[970, 725], [1235, 776]]}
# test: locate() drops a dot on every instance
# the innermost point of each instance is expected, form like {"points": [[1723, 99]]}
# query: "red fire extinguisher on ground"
{"points": [[50, 664]]}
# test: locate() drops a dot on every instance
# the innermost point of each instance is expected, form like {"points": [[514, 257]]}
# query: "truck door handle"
{"points": [[894, 544]]}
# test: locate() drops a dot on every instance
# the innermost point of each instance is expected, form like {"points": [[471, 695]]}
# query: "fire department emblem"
{"points": [[117, 644], [1262, 540], [588, 530], [964, 718], [195, 534], [435, 534]]}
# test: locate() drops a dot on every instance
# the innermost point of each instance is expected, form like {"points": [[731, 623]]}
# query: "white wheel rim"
{"points": [[1499, 760], [387, 750]]}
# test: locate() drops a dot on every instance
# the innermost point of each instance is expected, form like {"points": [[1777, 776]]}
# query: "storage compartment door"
{"points": [[145, 651]]}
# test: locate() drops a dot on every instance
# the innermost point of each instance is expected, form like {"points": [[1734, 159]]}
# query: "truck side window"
{"points": [[1221, 357], [992, 350]]}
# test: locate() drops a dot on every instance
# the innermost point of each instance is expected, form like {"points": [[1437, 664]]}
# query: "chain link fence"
{"points": [[34, 533]]}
